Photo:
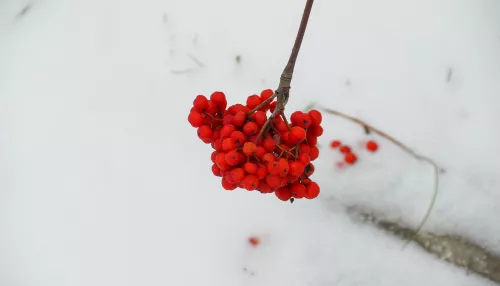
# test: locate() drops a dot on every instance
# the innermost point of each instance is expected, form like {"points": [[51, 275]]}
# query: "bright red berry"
{"points": [[219, 98], [345, 149], [195, 119], [253, 101], [314, 154], [296, 168], [350, 158], [249, 148], [372, 146], [335, 143], [251, 128], [312, 190], [228, 186], [250, 182], [204, 132], [200, 103], [283, 194], [316, 117], [234, 158], [250, 167]]}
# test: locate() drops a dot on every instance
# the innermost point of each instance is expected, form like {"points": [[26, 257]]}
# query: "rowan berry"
{"points": [[269, 144], [295, 117], [261, 171], [350, 158], [234, 158], [304, 148], [283, 194], [216, 170], [273, 181], [212, 108], [239, 138], [239, 118], [345, 149], [304, 120], [200, 103], [273, 167], [213, 156], [195, 119], [249, 148], [268, 157], [217, 145], [265, 94], [219, 98], [260, 152], [298, 190], [264, 187], [250, 128], [297, 168], [314, 154], [220, 161], [253, 101], [226, 131], [250, 182], [233, 109], [315, 130], [297, 135], [237, 174], [305, 159], [291, 179], [372, 146], [311, 140], [283, 167], [312, 190], [227, 119], [205, 132], [250, 167], [228, 186], [228, 144], [316, 117], [335, 143]]}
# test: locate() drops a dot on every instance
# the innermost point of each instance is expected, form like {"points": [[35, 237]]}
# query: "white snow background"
{"points": [[104, 182]]}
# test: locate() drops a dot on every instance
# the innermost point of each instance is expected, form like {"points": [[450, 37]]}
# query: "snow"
{"points": [[103, 181]]}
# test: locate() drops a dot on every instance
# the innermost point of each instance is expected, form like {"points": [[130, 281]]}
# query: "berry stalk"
{"points": [[282, 93]]}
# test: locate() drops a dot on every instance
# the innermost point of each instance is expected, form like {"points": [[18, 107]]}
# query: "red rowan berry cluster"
{"points": [[255, 151]]}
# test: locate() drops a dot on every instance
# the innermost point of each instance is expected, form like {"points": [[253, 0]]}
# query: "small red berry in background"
{"points": [[345, 149], [254, 241], [335, 143], [350, 158], [372, 146]]}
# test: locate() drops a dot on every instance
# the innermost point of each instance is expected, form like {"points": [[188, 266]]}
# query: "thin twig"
{"points": [[408, 150], [262, 104], [282, 93]]}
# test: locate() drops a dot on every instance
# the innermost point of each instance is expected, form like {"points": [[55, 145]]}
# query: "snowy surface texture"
{"points": [[104, 182]]}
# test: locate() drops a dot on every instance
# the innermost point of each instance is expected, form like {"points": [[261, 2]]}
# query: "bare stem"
{"points": [[283, 91], [298, 40]]}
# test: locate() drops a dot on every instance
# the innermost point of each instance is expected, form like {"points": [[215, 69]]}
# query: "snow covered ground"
{"points": [[104, 182]]}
